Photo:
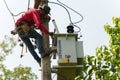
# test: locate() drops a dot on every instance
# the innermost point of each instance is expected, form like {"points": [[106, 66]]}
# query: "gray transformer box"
{"points": [[69, 49]]}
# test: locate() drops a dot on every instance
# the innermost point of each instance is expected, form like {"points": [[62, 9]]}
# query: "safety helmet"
{"points": [[45, 8]]}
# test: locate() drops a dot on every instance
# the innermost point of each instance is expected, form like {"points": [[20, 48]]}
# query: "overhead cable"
{"points": [[64, 8], [11, 11], [74, 11]]}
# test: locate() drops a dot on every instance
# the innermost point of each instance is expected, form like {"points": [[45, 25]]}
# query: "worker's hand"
{"points": [[13, 32], [46, 17], [51, 33]]}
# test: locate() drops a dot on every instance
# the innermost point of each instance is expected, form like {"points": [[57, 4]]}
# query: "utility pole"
{"points": [[46, 70]]}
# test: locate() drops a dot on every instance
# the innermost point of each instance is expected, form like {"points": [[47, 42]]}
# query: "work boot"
{"points": [[53, 49], [48, 52]]}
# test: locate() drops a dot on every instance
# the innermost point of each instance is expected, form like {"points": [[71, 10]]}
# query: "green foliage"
{"points": [[106, 64], [6, 47], [18, 73]]}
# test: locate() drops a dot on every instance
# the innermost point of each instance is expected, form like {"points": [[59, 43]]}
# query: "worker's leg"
{"points": [[38, 38], [39, 43], [31, 49]]}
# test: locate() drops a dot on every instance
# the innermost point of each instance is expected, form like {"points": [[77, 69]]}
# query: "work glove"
{"points": [[51, 33], [14, 32]]}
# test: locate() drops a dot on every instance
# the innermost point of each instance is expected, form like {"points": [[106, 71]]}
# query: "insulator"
{"points": [[70, 29]]}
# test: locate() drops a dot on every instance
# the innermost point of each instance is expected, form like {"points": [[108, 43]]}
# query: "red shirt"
{"points": [[32, 16]]}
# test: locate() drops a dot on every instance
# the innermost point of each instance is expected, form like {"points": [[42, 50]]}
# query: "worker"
{"points": [[24, 28]]}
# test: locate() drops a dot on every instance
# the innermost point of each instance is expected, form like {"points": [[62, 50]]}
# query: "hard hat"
{"points": [[45, 8]]}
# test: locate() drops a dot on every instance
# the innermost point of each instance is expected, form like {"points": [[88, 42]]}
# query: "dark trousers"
{"points": [[38, 39]]}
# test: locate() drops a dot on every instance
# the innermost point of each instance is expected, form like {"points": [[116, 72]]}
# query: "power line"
{"points": [[11, 11], [64, 8], [71, 23], [74, 11]]}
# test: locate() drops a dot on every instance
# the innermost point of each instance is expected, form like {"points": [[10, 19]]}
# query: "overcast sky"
{"points": [[96, 14]]}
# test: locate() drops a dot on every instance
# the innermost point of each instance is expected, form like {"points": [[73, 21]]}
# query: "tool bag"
{"points": [[23, 28]]}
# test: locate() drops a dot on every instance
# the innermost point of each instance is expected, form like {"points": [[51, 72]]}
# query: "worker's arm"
{"points": [[14, 32], [38, 23]]}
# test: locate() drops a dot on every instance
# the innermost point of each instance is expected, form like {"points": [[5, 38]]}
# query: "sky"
{"points": [[96, 14]]}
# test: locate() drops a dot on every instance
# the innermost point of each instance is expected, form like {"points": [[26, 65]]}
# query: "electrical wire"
{"points": [[64, 8], [79, 29], [11, 11], [74, 11], [71, 23]]}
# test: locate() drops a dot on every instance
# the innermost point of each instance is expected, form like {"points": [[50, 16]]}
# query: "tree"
{"points": [[18, 73], [106, 64]]}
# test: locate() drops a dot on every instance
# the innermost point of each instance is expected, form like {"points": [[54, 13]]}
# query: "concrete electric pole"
{"points": [[46, 70]]}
